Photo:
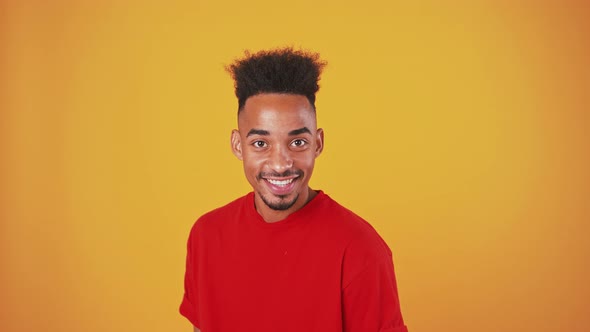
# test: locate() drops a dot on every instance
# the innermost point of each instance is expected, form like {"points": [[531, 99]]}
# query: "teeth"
{"points": [[280, 183]]}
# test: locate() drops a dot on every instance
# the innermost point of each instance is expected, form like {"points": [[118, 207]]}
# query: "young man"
{"points": [[285, 257]]}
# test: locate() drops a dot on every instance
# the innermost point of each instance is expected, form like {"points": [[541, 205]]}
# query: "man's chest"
{"points": [[294, 275]]}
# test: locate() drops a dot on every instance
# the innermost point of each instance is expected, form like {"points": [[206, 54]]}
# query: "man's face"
{"points": [[278, 140]]}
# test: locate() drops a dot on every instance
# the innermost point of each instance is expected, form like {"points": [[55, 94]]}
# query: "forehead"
{"points": [[277, 112]]}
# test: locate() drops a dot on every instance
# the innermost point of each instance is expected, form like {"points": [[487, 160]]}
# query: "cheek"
{"points": [[252, 166], [304, 161]]}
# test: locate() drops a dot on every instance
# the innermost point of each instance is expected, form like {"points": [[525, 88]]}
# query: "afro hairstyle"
{"points": [[283, 70]]}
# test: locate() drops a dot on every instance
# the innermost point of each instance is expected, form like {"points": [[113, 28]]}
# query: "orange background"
{"points": [[460, 131]]}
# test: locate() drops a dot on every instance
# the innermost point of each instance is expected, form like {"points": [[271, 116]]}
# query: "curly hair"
{"points": [[283, 70]]}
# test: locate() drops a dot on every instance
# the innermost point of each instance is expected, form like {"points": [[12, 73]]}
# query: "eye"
{"points": [[259, 144], [298, 143]]}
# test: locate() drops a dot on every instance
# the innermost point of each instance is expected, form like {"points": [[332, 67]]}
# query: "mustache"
{"points": [[285, 174]]}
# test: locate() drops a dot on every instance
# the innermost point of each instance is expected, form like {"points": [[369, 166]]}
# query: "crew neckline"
{"points": [[296, 217]]}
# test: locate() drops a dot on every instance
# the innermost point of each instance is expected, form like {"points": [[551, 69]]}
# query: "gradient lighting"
{"points": [[460, 131]]}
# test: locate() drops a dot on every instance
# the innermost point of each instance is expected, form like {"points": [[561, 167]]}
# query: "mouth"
{"points": [[280, 183], [282, 186]]}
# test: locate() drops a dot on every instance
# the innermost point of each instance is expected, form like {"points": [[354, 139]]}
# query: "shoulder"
{"points": [[221, 216], [229, 209], [356, 229], [363, 246]]}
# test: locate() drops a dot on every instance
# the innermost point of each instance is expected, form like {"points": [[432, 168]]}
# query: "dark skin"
{"points": [[278, 141]]}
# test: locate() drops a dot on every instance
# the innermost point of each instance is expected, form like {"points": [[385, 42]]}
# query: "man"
{"points": [[285, 257]]}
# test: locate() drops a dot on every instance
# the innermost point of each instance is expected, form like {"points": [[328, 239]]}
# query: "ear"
{"points": [[236, 144], [319, 142]]}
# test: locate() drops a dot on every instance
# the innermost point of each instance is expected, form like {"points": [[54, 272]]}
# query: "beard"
{"points": [[281, 205]]}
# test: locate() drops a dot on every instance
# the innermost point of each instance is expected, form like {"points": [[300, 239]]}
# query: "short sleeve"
{"points": [[371, 302], [189, 304]]}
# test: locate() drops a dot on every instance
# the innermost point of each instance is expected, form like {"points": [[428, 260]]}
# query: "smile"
{"points": [[280, 183], [281, 186]]}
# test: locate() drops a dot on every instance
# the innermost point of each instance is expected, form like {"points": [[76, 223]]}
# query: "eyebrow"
{"points": [[263, 132], [299, 131]]}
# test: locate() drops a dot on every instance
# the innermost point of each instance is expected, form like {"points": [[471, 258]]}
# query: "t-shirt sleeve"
{"points": [[370, 297], [189, 304]]}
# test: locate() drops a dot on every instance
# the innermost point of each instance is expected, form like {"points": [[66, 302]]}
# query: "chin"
{"points": [[280, 203]]}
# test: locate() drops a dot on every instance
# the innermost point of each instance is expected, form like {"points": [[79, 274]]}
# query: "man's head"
{"points": [[277, 137]]}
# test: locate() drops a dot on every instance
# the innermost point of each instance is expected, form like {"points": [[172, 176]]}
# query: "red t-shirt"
{"points": [[321, 269]]}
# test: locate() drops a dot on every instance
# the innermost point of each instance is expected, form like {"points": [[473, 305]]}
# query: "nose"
{"points": [[280, 160]]}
